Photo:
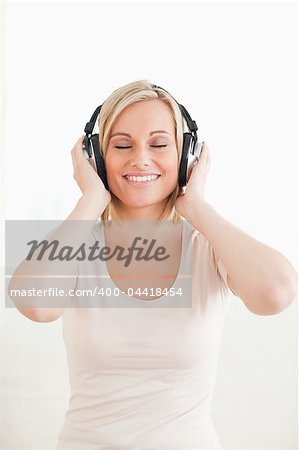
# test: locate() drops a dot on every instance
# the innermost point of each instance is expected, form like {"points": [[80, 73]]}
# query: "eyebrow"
{"points": [[127, 134]]}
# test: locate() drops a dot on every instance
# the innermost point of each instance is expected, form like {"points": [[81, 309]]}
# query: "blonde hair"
{"points": [[138, 91]]}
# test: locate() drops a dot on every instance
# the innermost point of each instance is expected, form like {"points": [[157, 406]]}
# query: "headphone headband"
{"points": [[190, 123], [90, 125]]}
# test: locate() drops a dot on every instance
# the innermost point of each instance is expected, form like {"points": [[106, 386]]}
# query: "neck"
{"points": [[150, 213]]}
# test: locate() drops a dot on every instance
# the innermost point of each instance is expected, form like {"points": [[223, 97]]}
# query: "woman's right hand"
{"points": [[86, 177]]}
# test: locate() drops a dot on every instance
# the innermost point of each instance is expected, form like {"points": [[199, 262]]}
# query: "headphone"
{"points": [[190, 151]]}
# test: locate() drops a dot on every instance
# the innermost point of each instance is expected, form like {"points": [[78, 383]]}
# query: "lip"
{"points": [[141, 184], [139, 174]]}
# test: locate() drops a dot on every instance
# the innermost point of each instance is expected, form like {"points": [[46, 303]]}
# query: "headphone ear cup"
{"points": [[186, 150], [100, 163]]}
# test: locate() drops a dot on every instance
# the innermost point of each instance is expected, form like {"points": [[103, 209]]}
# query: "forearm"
{"points": [[45, 274], [87, 208], [257, 272]]}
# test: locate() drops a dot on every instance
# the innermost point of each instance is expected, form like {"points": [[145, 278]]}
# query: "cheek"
{"points": [[171, 166], [112, 164]]}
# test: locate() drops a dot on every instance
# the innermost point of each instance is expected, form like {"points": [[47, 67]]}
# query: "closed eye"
{"points": [[118, 146]]}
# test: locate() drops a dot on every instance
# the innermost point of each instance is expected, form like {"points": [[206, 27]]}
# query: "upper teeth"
{"points": [[148, 178]]}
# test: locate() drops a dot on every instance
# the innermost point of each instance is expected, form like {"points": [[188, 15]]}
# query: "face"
{"points": [[142, 144]]}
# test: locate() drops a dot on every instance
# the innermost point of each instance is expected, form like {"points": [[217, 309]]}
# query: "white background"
{"points": [[234, 67]]}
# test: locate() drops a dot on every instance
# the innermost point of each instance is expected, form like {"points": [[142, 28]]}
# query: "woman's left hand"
{"points": [[186, 203]]}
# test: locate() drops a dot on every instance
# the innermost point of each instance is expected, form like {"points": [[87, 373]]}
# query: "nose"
{"points": [[140, 159]]}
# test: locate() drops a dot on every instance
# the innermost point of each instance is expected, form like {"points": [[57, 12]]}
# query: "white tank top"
{"points": [[142, 375]]}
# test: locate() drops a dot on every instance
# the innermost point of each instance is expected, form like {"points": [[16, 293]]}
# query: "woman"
{"points": [[144, 379]]}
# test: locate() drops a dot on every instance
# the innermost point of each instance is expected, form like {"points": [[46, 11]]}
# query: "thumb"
{"points": [[195, 161]]}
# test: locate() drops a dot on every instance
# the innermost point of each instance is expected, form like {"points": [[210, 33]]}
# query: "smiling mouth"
{"points": [[141, 181]]}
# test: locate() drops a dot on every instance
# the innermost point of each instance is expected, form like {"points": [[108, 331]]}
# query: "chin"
{"points": [[139, 201]]}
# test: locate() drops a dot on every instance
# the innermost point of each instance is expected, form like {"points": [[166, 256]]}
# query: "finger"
{"points": [[80, 140], [205, 155], [204, 151], [79, 144], [75, 165], [77, 151], [181, 191]]}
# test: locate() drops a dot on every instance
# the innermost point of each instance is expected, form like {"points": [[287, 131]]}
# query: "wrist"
{"points": [[199, 210], [93, 197], [92, 203]]}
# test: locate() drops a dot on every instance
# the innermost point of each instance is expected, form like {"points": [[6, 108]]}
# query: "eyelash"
{"points": [[158, 146]]}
